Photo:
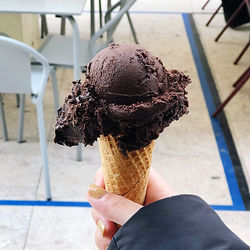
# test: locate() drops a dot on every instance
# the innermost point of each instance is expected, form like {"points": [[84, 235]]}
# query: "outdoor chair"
{"points": [[44, 26], [58, 49], [235, 14], [237, 86], [18, 76]]}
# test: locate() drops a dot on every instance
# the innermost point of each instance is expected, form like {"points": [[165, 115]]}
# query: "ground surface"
{"points": [[186, 154]]}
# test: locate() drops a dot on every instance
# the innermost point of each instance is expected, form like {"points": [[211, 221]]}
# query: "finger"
{"points": [[101, 242], [95, 215], [157, 188], [99, 179], [111, 206], [108, 228]]}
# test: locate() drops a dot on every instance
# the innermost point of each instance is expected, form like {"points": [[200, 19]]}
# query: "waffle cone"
{"points": [[125, 175]]}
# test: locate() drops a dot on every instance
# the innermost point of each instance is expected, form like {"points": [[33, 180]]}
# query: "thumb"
{"points": [[111, 206]]}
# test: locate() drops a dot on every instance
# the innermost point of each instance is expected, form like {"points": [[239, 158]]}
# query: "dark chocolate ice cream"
{"points": [[127, 93]]}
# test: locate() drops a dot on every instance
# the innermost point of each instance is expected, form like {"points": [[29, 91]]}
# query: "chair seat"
{"points": [[59, 51], [36, 78]]}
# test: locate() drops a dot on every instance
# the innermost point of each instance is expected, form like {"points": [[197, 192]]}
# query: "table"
{"points": [[67, 8], [57, 7]]}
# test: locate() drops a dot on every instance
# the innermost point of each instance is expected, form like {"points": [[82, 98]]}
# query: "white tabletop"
{"points": [[59, 7]]}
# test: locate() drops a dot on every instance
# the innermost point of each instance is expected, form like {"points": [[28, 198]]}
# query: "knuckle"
{"points": [[116, 202], [119, 202]]}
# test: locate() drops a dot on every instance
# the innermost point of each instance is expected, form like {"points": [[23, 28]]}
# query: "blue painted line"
{"points": [[222, 147], [238, 204], [226, 208], [79, 204], [44, 203]]}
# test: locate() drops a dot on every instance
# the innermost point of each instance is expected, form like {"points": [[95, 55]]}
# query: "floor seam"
{"points": [[32, 211]]}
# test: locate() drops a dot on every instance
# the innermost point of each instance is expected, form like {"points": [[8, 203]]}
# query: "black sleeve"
{"points": [[179, 222]]}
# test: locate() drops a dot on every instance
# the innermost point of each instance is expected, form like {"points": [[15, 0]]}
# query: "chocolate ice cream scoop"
{"points": [[125, 74], [127, 93]]}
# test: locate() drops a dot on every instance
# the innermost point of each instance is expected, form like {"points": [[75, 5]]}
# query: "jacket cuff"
{"points": [[177, 222]]}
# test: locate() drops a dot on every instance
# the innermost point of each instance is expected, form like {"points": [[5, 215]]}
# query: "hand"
{"points": [[108, 208]]}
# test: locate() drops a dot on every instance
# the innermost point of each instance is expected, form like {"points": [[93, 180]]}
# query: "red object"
{"points": [[242, 53], [212, 17], [203, 7], [232, 18], [238, 85]]}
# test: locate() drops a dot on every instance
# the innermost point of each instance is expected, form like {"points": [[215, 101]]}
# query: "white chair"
{"points": [[44, 26], [18, 76], [58, 49], [110, 26]]}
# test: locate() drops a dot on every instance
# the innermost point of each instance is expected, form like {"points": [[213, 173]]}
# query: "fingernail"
{"points": [[96, 192], [101, 227]]}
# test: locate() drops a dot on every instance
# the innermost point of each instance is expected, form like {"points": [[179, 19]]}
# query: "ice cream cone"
{"points": [[126, 175]]}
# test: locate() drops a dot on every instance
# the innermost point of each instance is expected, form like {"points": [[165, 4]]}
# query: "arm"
{"points": [[166, 221], [178, 222]]}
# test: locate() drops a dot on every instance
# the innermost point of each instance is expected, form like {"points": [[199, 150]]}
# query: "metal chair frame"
{"points": [[237, 86], [44, 26], [16, 86]]}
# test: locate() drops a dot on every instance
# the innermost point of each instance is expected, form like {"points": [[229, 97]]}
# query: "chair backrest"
{"points": [[15, 67], [110, 24]]}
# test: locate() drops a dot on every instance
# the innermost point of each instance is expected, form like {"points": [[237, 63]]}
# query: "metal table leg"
{"points": [[2, 118], [21, 118], [63, 24], [100, 13], [76, 62], [92, 17], [44, 26]]}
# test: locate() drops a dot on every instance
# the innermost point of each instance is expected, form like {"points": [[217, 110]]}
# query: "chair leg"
{"points": [[17, 100], [79, 152], [92, 17], [241, 81], [108, 4], [230, 20], [55, 88], [21, 118], [63, 24], [212, 17], [43, 147], [242, 53], [44, 26], [100, 13], [203, 7], [3, 121], [132, 28]]}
